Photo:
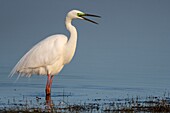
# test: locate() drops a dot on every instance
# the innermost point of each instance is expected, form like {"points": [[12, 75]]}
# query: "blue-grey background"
{"points": [[130, 48]]}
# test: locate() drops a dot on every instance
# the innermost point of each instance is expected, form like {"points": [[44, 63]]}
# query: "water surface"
{"points": [[81, 88]]}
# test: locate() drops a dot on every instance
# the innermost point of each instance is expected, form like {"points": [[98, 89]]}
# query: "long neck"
{"points": [[72, 42]]}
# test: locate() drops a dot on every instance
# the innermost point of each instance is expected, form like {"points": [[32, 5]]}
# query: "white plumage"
{"points": [[45, 57], [50, 55]]}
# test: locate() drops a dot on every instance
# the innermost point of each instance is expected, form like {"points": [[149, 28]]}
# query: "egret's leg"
{"points": [[51, 80], [48, 86]]}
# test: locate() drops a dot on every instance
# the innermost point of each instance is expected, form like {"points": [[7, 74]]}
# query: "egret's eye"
{"points": [[80, 14]]}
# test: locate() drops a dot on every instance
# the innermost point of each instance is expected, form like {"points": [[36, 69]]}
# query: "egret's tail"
{"points": [[17, 70]]}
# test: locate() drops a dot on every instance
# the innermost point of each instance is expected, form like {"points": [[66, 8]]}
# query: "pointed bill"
{"points": [[83, 16]]}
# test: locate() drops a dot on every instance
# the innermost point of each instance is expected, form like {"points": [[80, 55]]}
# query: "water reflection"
{"points": [[49, 103]]}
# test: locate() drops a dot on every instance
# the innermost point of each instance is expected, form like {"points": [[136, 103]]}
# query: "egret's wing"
{"points": [[42, 54]]}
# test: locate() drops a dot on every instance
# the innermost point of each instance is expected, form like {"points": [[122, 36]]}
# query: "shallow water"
{"points": [[76, 89]]}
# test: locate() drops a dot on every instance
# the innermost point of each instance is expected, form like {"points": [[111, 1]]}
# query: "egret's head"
{"points": [[76, 14]]}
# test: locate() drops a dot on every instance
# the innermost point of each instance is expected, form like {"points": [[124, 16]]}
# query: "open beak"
{"points": [[91, 16]]}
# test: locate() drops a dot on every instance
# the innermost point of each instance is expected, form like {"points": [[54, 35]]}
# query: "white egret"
{"points": [[49, 56]]}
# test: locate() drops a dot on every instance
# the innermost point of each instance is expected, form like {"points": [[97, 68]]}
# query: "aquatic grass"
{"points": [[130, 104]]}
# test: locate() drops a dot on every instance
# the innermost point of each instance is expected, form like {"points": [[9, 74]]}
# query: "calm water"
{"points": [[81, 88]]}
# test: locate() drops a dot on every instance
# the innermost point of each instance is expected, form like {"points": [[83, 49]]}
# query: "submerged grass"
{"points": [[134, 104]]}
